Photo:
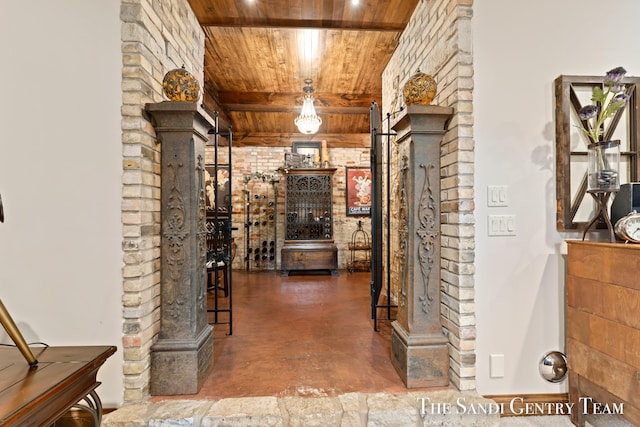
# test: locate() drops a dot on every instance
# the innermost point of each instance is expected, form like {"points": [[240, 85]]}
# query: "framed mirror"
{"points": [[311, 150]]}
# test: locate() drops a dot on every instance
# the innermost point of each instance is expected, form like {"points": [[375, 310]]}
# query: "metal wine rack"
{"points": [[261, 217]]}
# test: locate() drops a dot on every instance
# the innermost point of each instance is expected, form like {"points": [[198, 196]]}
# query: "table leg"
{"points": [[93, 406]]}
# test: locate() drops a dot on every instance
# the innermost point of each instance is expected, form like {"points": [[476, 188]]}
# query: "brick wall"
{"points": [[438, 42], [248, 165], [157, 36]]}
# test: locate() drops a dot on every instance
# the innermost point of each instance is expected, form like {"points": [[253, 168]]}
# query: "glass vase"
{"points": [[603, 166]]}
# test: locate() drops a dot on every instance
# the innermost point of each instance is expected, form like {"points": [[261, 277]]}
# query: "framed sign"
{"points": [[358, 191], [293, 160], [307, 148]]}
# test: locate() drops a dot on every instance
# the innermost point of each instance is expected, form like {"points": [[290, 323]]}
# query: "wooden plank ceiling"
{"points": [[259, 52]]}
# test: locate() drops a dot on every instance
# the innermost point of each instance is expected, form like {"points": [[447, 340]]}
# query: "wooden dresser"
{"points": [[603, 328]]}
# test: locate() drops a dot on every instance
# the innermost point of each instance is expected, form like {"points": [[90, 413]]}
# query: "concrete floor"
{"points": [[300, 335]]}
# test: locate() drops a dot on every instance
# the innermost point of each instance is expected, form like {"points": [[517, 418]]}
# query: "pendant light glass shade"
{"points": [[308, 121]]}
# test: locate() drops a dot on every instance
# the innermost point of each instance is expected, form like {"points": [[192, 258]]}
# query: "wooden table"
{"points": [[40, 395]]}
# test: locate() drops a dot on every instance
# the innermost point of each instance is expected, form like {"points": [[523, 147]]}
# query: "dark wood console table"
{"points": [[40, 395]]}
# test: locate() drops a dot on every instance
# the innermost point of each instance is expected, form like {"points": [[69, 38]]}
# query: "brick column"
{"points": [[419, 350], [182, 356]]}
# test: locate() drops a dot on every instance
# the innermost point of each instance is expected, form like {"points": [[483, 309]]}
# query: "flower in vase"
{"points": [[607, 99]]}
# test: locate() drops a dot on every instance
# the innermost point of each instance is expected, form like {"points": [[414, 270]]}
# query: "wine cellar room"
{"points": [[265, 218]]}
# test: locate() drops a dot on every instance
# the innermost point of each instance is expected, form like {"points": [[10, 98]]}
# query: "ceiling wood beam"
{"points": [[349, 140], [260, 108], [211, 105], [326, 103], [303, 23]]}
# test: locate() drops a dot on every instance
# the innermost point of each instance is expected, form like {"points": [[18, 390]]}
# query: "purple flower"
{"points": [[608, 99], [614, 76], [623, 97], [587, 112]]}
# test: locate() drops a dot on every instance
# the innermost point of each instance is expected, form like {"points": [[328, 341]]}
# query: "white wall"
{"points": [[60, 175], [520, 47]]}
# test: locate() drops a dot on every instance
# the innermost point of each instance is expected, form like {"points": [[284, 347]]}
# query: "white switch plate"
{"points": [[502, 225], [496, 365], [497, 195]]}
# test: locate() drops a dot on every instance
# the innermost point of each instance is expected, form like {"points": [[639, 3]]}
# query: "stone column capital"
{"points": [[179, 116], [432, 119]]}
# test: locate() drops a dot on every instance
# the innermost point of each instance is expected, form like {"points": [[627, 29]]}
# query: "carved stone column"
{"points": [[182, 356], [418, 344]]}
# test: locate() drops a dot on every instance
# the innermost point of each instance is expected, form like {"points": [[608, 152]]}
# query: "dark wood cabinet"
{"points": [[308, 221]]}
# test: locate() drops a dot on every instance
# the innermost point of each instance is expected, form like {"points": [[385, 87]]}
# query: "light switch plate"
{"points": [[497, 195], [496, 365], [502, 225]]}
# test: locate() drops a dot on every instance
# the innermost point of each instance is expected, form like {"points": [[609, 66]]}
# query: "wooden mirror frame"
{"points": [[567, 103]]}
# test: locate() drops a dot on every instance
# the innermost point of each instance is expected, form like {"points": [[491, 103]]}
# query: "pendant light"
{"points": [[308, 121]]}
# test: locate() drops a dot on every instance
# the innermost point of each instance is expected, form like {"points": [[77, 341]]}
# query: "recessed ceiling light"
{"points": [[355, 2]]}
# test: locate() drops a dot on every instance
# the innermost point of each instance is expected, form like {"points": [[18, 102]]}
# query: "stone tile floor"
{"points": [[348, 410]]}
